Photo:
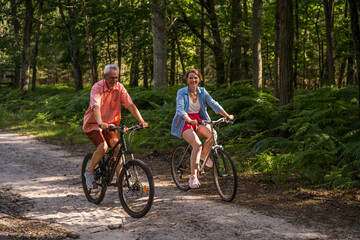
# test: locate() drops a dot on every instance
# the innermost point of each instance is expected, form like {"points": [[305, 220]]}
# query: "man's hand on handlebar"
{"points": [[144, 124], [106, 126]]}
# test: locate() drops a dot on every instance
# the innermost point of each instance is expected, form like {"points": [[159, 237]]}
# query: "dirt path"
{"points": [[47, 178]]}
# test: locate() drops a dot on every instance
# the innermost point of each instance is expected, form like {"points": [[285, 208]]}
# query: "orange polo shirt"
{"points": [[109, 103]]}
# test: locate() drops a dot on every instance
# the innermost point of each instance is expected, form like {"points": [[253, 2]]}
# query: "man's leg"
{"points": [[97, 155], [112, 143]]}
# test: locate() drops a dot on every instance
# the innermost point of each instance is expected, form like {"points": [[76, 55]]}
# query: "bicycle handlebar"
{"points": [[125, 128], [204, 122]]}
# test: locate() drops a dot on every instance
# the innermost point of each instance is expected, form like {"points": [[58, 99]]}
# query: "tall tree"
{"points": [[17, 60], [36, 48], [159, 33], [286, 41], [69, 25], [235, 42], [354, 10], [329, 23], [216, 42], [25, 72], [276, 51], [92, 67], [257, 80]]}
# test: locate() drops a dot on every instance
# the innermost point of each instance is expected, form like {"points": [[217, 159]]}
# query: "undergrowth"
{"points": [[316, 137]]}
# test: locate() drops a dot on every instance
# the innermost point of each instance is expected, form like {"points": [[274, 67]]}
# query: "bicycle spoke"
{"points": [[137, 197], [180, 166], [225, 176], [95, 195]]}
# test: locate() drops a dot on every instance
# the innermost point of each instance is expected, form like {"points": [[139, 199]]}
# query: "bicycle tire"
{"points": [[226, 179], [181, 167], [95, 195], [137, 198]]}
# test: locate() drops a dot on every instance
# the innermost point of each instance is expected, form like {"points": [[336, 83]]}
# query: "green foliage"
{"points": [[316, 137]]}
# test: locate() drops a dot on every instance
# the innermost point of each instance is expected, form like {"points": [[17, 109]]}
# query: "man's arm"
{"points": [[97, 115], [135, 112]]}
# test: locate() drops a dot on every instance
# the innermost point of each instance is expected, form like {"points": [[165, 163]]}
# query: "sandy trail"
{"points": [[48, 179]]}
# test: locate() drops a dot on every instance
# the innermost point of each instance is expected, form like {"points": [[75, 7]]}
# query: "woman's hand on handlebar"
{"points": [[193, 122], [230, 117]]}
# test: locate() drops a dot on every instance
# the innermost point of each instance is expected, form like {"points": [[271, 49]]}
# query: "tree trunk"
{"points": [[276, 51], [354, 9], [159, 43], [74, 47], [218, 44], [172, 62], [93, 76], [119, 47], [134, 70], [202, 48], [179, 51], [25, 72], [329, 24], [234, 64], [350, 67], [17, 56], [146, 68], [296, 52], [286, 39], [246, 61], [36, 48], [256, 45]]}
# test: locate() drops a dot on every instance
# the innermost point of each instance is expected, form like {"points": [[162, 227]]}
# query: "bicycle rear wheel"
{"points": [[95, 195], [180, 166], [137, 197], [225, 177]]}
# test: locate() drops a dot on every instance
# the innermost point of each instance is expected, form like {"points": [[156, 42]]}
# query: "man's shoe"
{"points": [[90, 179], [194, 182]]}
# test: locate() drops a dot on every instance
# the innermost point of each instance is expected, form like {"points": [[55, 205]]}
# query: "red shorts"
{"points": [[192, 116], [97, 137]]}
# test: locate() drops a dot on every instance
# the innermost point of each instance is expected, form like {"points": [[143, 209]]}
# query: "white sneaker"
{"points": [[90, 179], [194, 182]]}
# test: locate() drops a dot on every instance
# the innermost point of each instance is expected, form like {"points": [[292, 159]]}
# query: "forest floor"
{"points": [[41, 198]]}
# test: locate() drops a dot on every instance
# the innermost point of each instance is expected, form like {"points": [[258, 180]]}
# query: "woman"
{"points": [[191, 104]]}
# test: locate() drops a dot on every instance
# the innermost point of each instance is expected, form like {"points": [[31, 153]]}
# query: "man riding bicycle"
{"points": [[104, 110]]}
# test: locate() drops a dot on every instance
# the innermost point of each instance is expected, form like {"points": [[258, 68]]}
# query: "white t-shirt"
{"points": [[194, 107]]}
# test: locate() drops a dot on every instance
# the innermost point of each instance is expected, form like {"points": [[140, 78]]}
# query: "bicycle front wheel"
{"points": [[136, 190], [225, 176], [95, 195], [180, 166]]}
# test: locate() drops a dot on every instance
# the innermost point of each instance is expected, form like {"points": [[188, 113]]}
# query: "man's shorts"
{"points": [[98, 137], [192, 116]]}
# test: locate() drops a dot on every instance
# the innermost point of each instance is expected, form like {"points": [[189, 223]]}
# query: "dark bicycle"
{"points": [[135, 183], [224, 170]]}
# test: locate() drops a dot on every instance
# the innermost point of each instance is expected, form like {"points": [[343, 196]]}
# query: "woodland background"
{"points": [[287, 70]]}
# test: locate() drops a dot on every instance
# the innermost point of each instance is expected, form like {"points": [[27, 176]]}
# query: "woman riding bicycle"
{"points": [[191, 102], [104, 110]]}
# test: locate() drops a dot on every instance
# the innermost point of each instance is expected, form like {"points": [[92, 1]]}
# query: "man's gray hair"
{"points": [[110, 67]]}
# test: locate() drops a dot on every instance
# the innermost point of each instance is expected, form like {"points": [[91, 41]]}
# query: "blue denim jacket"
{"points": [[182, 108]]}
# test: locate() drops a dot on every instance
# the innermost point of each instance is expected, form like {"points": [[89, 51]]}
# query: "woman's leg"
{"points": [[190, 136], [205, 131]]}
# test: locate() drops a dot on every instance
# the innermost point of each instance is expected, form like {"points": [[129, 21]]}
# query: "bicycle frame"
{"points": [[120, 155], [214, 147]]}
